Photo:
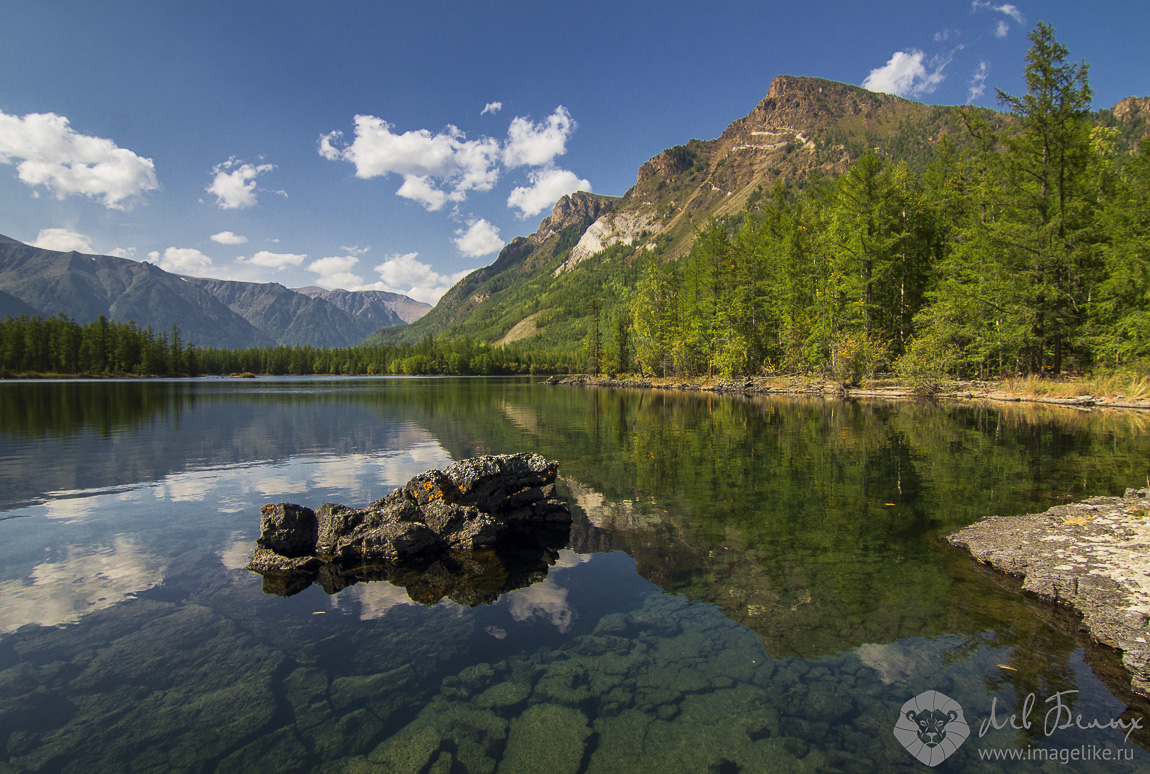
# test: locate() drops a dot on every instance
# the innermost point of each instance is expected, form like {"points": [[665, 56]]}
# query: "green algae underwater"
{"points": [[750, 584]]}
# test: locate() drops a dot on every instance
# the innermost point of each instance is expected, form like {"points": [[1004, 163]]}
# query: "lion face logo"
{"points": [[931, 727], [931, 724]]}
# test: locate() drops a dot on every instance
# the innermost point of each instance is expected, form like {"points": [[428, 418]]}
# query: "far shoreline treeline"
{"points": [[61, 346]]}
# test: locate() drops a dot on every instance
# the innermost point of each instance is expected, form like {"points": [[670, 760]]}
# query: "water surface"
{"points": [[751, 584]]}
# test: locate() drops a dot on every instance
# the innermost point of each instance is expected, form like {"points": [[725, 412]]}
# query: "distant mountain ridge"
{"points": [[209, 313], [371, 303]]}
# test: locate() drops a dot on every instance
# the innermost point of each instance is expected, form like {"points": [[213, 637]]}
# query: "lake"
{"points": [[751, 584]]}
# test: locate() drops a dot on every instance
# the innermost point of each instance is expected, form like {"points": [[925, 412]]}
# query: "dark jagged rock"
{"points": [[481, 527]]}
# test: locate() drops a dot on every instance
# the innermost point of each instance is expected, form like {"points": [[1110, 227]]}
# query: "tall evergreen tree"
{"points": [[1044, 214]]}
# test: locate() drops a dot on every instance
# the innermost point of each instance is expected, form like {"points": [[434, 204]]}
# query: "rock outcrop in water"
{"points": [[481, 527], [1090, 556]]}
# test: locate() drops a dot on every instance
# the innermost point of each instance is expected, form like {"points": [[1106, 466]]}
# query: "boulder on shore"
{"points": [[460, 525]]}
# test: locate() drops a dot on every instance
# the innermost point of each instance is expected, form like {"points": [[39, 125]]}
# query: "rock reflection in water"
{"points": [[466, 577]]}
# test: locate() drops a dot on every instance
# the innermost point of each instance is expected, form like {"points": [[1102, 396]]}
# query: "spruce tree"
{"points": [[1044, 213]]}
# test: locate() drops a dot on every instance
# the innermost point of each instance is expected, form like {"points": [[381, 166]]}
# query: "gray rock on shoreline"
{"points": [[1092, 556]]}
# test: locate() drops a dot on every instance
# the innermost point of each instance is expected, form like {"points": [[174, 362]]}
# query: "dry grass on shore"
{"points": [[1116, 386], [1125, 386]]}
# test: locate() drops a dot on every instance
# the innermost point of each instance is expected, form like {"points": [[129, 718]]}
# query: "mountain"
{"points": [[465, 309], [289, 317], [386, 308], [209, 313], [13, 307], [540, 287], [803, 126], [83, 287]]}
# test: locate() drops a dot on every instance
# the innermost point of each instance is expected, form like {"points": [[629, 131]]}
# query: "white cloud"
{"points": [[479, 238], [122, 252], [547, 186], [547, 600], [228, 238], [425, 160], [48, 152], [181, 260], [941, 37], [537, 144], [274, 260], [977, 83], [62, 240], [404, 274], [335, 271], [1009, 9], [234, 184], [420, 188], [906, 75], [491, 107], [442, 168]]}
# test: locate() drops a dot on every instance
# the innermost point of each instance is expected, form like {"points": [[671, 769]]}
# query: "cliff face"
{"points": [[802, 125], [578, 209], [1132, 109], [1132, 119]]}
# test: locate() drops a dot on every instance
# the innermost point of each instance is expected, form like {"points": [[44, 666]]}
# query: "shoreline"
{"points": [[1090, 557], [956, 391]]}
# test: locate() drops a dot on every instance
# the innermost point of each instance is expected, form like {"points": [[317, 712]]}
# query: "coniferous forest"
{"points": [[1025, 251], [1021, 247]]}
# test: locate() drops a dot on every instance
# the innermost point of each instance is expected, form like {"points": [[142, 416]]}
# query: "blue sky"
{"points": [[400, 145]]}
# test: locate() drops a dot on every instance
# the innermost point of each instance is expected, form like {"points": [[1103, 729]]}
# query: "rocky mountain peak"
{"points": [[671, 162], [580, 208], [795, 102]]}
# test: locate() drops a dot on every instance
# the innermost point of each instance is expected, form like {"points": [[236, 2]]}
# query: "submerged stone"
{"points": [[409, 751], [280, 751], [503, 696], [546, 739]]}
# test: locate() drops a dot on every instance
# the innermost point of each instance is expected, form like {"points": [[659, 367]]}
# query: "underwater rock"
{"points": [[503, 696], [481, 527], [546, 739], [282, 746]]}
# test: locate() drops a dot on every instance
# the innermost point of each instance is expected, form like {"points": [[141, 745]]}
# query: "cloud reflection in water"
{"points": [[86, 580]]}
